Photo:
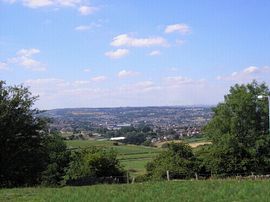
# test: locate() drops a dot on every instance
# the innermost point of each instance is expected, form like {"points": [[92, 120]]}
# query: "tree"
{"points": [[58, 160], [239, 132], [22, 154], [178, 159], [94, 163]]}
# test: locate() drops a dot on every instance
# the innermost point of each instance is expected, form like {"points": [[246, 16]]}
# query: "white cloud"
{"points": [[87, 10], [27, 52], [45, 81], [140, 87], [155, 53], [180, 28], [3, 66], [119, 53], [81, 5], [37, 3], [251, 69], [126, 40], [31, 64], [24, 59], [59, 93], [87, 70], [178, 81], [247, 74], [82, 28], [87, 27], [99, 78], [125, 73], [82, 82]]}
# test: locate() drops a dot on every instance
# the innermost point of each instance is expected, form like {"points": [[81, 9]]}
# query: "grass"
{"points": [[132, 157], [203, 191]]}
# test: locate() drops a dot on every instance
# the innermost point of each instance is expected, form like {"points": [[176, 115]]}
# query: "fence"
{"points": [[97, 180], [209, 176], [197, 176]]}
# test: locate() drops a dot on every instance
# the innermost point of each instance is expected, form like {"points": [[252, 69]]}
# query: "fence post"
{"points": [[168, 175], [127, 178], [133, 180], [196, 176]]}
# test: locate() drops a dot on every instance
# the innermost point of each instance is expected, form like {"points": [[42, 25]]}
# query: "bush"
{"points": [[142, 178], [94, 163], [178, 160]]}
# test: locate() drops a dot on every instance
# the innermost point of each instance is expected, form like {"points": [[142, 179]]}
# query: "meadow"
{"points": [[132, 157], [203, 191]]}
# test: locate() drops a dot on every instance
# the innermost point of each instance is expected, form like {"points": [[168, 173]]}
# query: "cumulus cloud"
{"points": [[125, 73], [247, 74], [128, 41], [179, 28], [154, 53], [87, 10], [119, 53], [81, 5], [99, 78], [24, 58]]}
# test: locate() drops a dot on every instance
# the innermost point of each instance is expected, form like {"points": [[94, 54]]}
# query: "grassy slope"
{"points": [[133, 157], [215, 190]]}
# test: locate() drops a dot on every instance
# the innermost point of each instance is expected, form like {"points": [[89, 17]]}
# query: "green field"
{"points": [[132, 157], [211, 190]]}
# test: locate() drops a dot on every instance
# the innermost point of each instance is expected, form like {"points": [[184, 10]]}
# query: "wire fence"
{"points": [[169, 177]]}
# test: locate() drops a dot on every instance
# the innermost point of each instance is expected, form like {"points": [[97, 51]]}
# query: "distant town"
{"points": [[154, 123]]}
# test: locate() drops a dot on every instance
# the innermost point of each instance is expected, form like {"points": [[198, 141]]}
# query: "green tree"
{"points": [[94, 162], [22, 153], [178, 159], [57, 162], [239, 132]]}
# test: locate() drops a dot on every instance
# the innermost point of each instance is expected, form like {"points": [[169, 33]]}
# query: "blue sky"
{"points": [[103, 53]]}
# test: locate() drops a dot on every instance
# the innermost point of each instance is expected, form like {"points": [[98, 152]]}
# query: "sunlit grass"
{"points": [[211, 190]]}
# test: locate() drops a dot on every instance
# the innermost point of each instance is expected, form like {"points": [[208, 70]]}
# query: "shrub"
{"points": [[94, 163]]}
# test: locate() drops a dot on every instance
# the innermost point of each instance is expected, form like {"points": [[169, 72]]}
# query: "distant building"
{"points": [[117, 138]]}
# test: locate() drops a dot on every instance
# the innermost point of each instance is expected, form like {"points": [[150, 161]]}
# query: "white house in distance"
{"points": [[117, 138]]}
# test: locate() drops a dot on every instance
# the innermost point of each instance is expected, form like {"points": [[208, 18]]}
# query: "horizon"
{"points": [[104, 54], [157, 106]]}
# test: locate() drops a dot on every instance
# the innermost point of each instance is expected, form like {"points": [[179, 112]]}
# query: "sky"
{"points": [[104, 53]]}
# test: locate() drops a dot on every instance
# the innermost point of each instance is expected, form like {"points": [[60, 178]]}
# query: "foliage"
{"points": [[239, 132], [178, 159], [23, 155], [94, 162], [59, 158]]}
